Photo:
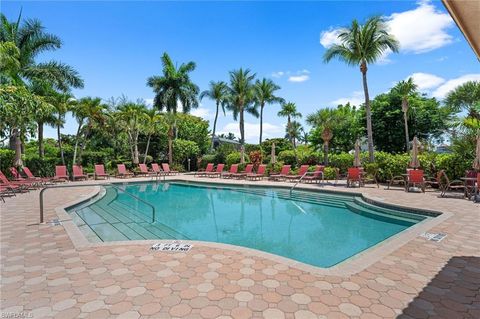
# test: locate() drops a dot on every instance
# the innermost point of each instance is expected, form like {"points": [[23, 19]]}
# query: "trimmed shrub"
{"points": [[43, 167], [208, 158], [233, 158], [6, 160]]}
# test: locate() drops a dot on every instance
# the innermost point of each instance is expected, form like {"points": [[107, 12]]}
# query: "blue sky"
{"points": [[116, 46]]}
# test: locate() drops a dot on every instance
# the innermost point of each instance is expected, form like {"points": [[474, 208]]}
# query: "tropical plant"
{"points": [[62, 102], [264, 91], [362, 45], [132, 118], [465, 97], [241, 97], [151, 124], [325, 120], [218, 91], [173, 88], [406, 89], [289, 110], [294, 131]]}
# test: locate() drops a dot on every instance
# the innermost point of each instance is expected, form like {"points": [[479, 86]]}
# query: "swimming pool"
{"points": [[316, 228]]}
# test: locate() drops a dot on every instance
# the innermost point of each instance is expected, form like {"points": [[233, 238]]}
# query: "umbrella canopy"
{"points": [[476, 161], [414, 162], [356, 158], [242, 154], [273, 158]]}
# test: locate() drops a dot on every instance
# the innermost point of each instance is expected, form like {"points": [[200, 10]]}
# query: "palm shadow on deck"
{"points": [[453, 293]]}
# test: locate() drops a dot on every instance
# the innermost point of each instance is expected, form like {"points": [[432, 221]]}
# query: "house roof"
{"points": [[466, 14]]}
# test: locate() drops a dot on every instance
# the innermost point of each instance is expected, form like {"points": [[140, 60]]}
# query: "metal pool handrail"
{"points": [[296, 183], [85, 185]]}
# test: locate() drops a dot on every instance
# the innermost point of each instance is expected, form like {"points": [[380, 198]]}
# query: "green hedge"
{"points": [[6, 160]]}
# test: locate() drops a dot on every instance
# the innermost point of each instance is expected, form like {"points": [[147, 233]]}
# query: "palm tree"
{"points": [[241, 97], [294, 132], [173, 88], [265, 94], [132, 118], [63, 102], [465, 97], [152, 119], [89, 112], [406, 89], [218, 92], [289, 110], [362, 45], [326, 119]]}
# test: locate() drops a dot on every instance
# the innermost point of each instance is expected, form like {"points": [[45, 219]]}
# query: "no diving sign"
{"points": [[175, 246]]}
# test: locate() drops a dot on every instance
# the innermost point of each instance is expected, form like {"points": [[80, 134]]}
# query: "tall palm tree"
{"points": [[362, 45], [173, 88], [63, 102], [294, 132], [218, 91], [132, 118], [265, 94], [406, 89], [326, 119], [241, 97], [465, 97], [152, 120], [89, 112], [289, 110]]}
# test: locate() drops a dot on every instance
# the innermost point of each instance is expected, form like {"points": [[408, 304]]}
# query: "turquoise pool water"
{"points": [[320, 229]]}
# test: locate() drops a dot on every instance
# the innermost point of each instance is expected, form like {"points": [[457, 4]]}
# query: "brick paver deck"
{"points": [[44, 275]]}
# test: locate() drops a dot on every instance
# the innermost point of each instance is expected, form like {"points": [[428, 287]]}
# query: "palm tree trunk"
{"points": [[135, 151], [407, 139], [261, 123], [215, 125], [84, 145], [368, 111], [146, 149], [170, 145], [60, 147], [18, 148], [77, 138], [242, 128], [325, 153], [41, 147]]}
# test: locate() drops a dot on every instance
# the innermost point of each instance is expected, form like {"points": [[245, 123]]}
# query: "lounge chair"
{"points": [[32, 177], [78, 173], [157, 170], [6, 191], [100, 172], [248, 170], [204, 172], [122, 171], [16, 175], [233, 170], [61, 174], [354, 175], [316, 176], [218, 172], [167, 170], [15, 186], [259, 174], [450, 186], [282, 175], [415, 178], [302, 171], [144, 170]]}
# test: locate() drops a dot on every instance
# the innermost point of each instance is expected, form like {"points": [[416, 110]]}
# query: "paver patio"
{"points": [[44, 275]]}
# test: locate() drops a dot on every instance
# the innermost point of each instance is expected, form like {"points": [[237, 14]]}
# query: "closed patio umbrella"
{"points": [[273, 159], [356, 159], [414, 162], [476, 161]]}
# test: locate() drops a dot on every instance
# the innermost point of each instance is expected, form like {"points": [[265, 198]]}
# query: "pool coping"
{"points": [[347, 267]]}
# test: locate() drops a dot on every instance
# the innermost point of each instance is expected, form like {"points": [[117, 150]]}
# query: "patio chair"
{"points": [[283, 173], [233, 170], [415, 178], [61, 174], [15, 186], [122, 171], [451, 186], [302, 171], [400, 180], [16, 175], [248, 170], [6, 191], [32, 177], [100, 172], [167, 170], [157, 170], [259, 174], [204, 172], [470, 183], [476, 194], [369, 177], [218, 172], [78, 173], [144, 170], [354, 175], [315, 176]]}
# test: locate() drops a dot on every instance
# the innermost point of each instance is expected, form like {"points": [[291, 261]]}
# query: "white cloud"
{"points": [[278, 74], [442, 90], [356, 99], [426, 81], [301, 76], [420, 30], [149, 102], [252, 131], [201, 112]]}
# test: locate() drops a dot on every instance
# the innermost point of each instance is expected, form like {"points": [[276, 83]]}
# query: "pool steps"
{"points": [[113, 220]]}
